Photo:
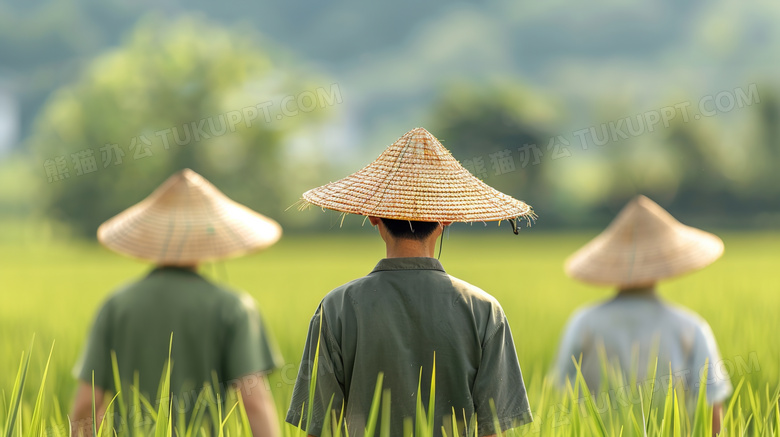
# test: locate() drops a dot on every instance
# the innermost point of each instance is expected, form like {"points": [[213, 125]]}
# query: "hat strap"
{"points": [[514, 224]]}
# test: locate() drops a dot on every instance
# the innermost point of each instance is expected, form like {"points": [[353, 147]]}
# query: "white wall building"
{"points": [[9, 118]]}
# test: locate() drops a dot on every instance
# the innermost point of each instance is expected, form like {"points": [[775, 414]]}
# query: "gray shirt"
{"points": [[629, 328], [392, 321]]}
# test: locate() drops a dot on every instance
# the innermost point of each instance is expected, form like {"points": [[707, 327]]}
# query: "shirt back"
{"points": [[393, 321], [631, 330], [214, 330]]}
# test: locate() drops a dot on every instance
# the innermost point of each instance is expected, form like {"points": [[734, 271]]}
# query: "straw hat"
{"points": [[417, 179], [185, 221], [641, 246]]}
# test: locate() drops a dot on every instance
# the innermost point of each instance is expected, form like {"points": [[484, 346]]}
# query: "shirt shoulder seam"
{"points": [[495, 331]]}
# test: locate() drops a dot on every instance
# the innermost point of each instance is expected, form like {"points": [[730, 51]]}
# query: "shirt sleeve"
{"points": [[499, 379], [570, 346], [96, 355], [329, 378], [705, 354], [249, 346]]}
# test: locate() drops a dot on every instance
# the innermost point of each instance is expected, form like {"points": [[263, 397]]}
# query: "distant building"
{"points": [[9, 118]]}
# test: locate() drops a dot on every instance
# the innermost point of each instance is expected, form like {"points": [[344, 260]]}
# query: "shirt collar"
{"points": [[391, 264]]}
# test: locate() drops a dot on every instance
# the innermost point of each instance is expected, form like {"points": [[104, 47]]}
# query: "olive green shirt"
{"points": [[392, 321], [213, 329]]}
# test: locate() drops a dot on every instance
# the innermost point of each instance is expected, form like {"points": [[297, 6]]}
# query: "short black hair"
{"points": [[410, 230]]}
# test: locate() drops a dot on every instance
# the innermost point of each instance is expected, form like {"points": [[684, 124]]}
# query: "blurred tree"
{"points": [[724, 173], [176, 95], [699, 168], [682, 167], [500, 132], [762, 194], [706, 168], [769, 114], [43, 43]]}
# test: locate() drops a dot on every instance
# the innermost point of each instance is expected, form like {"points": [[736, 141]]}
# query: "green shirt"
{"points": [[213, 330], [392, 321]]}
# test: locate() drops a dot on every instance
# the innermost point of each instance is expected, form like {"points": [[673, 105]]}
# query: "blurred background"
{"points": [[573, 108]]}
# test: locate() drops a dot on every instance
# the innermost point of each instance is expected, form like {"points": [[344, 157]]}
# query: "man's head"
{"points": [[410, 230], [408, 238]]}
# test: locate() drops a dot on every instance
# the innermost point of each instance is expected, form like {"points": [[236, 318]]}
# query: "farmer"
{"points": [[643, 245], [408, 310], [182, 224]]}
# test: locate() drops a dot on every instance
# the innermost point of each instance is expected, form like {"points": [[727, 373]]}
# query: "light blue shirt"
{"points": [[630, 328]]}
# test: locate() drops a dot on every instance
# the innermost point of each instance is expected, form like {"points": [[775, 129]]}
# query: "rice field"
{"points": [[52, 291]]}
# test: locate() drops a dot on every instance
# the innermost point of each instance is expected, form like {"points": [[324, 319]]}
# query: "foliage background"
{"points": [[484, 77]]}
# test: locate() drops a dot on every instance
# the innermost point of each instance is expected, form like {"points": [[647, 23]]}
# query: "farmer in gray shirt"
{"points": [[408, 309], [643, 245]]}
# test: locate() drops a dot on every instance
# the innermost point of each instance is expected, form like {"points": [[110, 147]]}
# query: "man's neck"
{"points": [[646, 290], [193, 268], [411, 249]]}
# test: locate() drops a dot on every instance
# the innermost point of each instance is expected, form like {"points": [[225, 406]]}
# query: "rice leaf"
{"points": [[163, 425], [118, 388], [455, 430], [700, 418], [432, 399], [35, 421], [496, 422], [420, 425], [652, 395], [313, 382], [384, 428], [198, 411], [107, 414], [595, 417], [242, 415], [373, 413], [676, 417], [16, 395], [330, 419]]}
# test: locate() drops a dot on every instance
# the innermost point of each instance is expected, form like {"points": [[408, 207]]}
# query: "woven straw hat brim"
{"points": [[643, 249], [188, 221], [417, 179]]}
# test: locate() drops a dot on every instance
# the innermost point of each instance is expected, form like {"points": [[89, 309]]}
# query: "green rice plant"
{"points": [[738, 296], [12, 415], [750, 412], [14, 424]]}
